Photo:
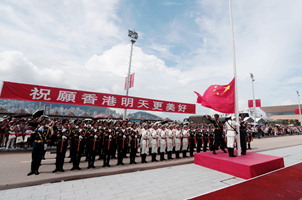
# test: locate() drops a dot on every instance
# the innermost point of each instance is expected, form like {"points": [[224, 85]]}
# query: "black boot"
{"points": [[171, 155], [249, 146], [232, 151], [152, 155], [32, 169], [155, 157], [223, 150], [142, 157], [229, 151], [214, 152], [145, 155]]}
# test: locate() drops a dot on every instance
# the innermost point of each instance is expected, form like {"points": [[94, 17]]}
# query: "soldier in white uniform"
{"points": [[177, 141], [231, 134], [154, 142], [185, 136], [162, 142], [144, 142], [170, 142]]}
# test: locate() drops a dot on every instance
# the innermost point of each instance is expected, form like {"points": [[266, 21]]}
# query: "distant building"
{"points": [[281, 112]]}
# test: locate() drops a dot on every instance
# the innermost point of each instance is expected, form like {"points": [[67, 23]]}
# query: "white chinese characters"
{"points": [[109, 100], [89, 98], [66, 96], [39, 94], [127, 102]]}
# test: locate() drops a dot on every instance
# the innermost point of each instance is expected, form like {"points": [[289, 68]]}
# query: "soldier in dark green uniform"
{"points": [[199, 139], [38, 149], [61, 148], [121, 136], [243, 126], [218, 133], [133, 144], [205, 137], [192, 140], [77, 148], [107, 148], [92, 145]]}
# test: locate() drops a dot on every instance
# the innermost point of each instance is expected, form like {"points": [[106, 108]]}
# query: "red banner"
{"points": [[131, 83], [250, 103], [26, 92], [297, 111], [257, 102]]}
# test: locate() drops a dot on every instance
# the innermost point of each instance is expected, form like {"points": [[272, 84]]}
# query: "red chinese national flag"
{"points": [[219, 97]]}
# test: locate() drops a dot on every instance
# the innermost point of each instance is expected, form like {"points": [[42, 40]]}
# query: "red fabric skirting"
{"points": [[246, 166]]}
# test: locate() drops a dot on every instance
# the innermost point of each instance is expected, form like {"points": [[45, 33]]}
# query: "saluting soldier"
{"points": [[199, 139], [133, 143], [218, 140], [37, 151], [185, 141], [243, 126]]}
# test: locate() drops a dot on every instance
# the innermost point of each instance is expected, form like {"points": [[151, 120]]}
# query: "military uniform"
{"points": [[77, 149], [107, 148], [144, 143], [61, 149], [199, 140], [205, 137], [185, 141], [121, 145], [154, 142], [218, 140], [37, 152], [133, 145], [170, 137], [177, 141], [163, 143], [243, 126], [192, 141], [92, 147]]}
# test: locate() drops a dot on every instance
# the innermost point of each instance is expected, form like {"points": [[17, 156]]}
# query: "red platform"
{"points": [[245, 166]]}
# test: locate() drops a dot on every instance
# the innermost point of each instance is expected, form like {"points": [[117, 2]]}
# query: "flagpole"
{"points": [[236, 88]]}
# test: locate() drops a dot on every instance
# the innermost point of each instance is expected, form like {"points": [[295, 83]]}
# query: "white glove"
{"points": [[64, 137], [45, 146], [147, 136], [136, 136], [157, 136], [110, 136], [124, 136], [95, 136], [80, 137]]}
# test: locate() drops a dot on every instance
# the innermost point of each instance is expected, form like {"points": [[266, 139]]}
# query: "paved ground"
{"points": [[175, 182]]}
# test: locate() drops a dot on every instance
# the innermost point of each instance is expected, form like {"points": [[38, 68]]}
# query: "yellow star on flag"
{"points": [[227, 88]]}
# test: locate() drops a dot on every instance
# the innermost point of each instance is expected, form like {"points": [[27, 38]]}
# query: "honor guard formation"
{"points": [[111, 141]]}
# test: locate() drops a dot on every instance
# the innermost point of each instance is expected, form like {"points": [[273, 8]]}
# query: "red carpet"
{"points": [[283, 184], [248, 166]]}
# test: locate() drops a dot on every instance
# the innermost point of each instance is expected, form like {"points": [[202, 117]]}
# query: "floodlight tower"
{"points": [[133, 35], [254, 103]]}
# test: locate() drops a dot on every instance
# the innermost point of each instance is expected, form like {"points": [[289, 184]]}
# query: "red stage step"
{"points": [[245, 166]]}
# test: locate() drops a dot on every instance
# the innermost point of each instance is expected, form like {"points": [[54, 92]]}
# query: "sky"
{"points": [[183, 46]]}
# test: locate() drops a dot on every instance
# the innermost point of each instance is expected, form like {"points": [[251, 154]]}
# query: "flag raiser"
{"points": [[219, 97]]}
